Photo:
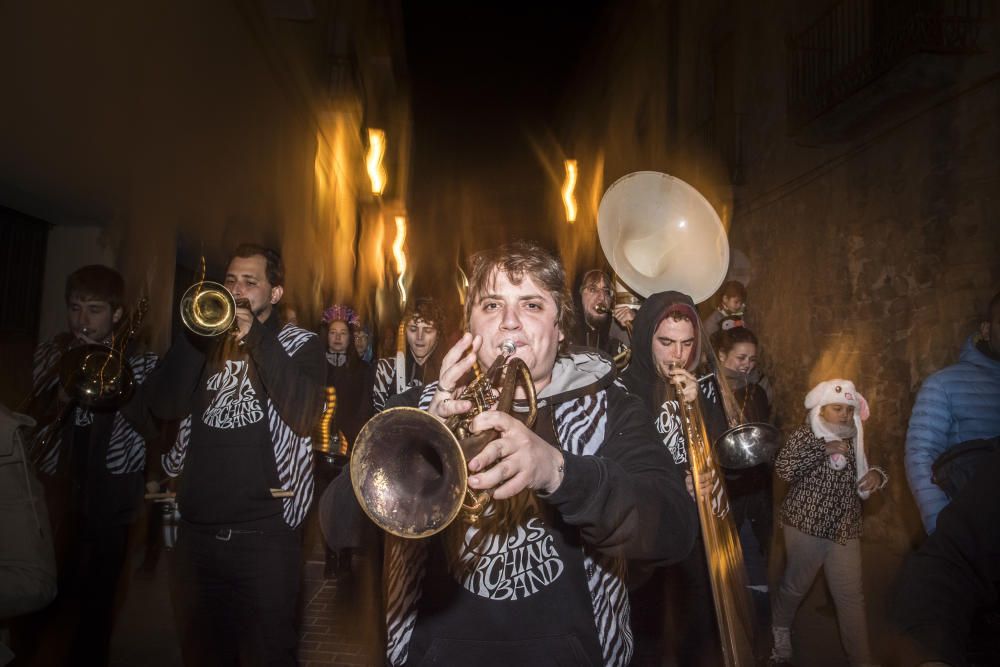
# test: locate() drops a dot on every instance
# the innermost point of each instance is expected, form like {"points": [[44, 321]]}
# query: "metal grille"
{"points": [[22, 263], [857, 41]]}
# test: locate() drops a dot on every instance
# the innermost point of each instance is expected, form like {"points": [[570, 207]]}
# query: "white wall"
{"points": [[69, 248]]}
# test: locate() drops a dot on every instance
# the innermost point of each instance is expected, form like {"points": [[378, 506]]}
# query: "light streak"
{"points": [[373, 161], [569, 186], [400, 256]]}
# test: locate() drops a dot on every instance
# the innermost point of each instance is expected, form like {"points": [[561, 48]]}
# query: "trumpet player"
{"points": [[248, 401], [539, 579], [91, 460]]}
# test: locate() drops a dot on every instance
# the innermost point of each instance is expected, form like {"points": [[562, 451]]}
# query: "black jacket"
{"points": [[553, 589]]}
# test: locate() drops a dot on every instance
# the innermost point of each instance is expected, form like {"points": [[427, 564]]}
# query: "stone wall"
{"points": [[872, 256]]}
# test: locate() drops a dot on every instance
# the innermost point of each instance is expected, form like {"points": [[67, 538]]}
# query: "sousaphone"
{"points": [[659, 233]]}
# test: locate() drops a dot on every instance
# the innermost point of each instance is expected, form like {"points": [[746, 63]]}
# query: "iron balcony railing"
{"points": [[857, 41]]}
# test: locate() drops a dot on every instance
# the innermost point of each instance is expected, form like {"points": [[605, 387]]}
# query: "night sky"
{"points": [[486, 80]]}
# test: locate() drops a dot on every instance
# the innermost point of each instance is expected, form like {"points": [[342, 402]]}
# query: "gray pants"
{"points": [[842, 563]]}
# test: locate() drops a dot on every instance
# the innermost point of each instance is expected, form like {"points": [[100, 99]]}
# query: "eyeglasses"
{"points": [[592, 289], [360, 336]]}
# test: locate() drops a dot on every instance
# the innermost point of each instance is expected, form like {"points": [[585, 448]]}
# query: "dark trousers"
{"points": [[673, 615], [235, 595], [101, 558]]}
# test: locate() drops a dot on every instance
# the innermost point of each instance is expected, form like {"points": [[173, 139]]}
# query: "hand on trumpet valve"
{"points": [[454, 366], [685, 383], [515, 461], [244, 319]]}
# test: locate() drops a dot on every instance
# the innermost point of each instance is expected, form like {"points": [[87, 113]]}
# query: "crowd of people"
{"points": [[591, 548]]}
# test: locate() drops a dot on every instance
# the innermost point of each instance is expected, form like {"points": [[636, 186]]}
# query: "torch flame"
{"points": [[569, 185], [373, 161], [397, 252], [462, 283]]}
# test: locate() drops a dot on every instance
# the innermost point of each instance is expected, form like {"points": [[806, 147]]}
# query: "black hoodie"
{"points": [[552, 592], [642, 379]]}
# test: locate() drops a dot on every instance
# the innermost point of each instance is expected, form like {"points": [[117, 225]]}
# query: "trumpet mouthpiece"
{"points": [[508, 347]]}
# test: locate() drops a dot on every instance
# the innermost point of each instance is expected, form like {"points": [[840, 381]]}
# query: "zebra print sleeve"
{"points": [[173, 460], [385, 378], [127, 448]]}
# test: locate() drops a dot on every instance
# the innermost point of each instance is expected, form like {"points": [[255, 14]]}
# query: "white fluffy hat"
{"points": [[840, 392]]}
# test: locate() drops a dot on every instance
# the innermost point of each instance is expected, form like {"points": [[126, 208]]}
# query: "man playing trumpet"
{"points": [[248, 401], [539, 579]]}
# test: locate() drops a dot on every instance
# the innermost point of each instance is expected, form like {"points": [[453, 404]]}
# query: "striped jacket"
{"points": [[292, 451], [126, 448], [590, 525]]}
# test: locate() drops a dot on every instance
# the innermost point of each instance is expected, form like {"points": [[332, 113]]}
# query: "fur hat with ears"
{"points": [[840, 392]]}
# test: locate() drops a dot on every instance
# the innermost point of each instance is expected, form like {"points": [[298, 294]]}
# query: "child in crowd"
{"points": [[731, 311], [825, 464]]}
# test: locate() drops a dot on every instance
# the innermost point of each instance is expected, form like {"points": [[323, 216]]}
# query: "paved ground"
{"points": [[340, 628]]}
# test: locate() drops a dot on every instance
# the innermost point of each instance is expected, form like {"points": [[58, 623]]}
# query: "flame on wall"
{"points": [[462, 284], [400, 256], [373, 160], [568, 190]]}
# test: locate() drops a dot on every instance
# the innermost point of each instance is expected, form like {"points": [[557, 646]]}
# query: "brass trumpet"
{"points": [[409, 469], [209, 309]]}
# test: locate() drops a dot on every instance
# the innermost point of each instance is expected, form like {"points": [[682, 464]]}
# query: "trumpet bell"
{"points": [[747, 445], [96, 376], [208, 309], [659, 233], [408, 472]]}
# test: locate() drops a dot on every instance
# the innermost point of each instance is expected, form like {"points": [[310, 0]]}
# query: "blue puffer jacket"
{"points": [[958, 403]]}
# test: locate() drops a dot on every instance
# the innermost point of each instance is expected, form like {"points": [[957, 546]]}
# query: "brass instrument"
{"points": [[723, 551], [622, 358], [409, 469], [659, 233], [209, 309], [93, 376]]}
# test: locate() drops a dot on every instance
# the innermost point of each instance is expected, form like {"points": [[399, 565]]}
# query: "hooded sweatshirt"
{"points": [[540, 580], [642, 378]]}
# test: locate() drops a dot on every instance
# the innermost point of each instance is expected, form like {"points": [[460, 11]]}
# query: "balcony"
{"points": [[863, 56]]}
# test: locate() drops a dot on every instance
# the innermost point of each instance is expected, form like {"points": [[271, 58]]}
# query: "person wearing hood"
{"points": [[418, 356], [667, 350], [826, 466], [594, 324], [956, 405], [540, 578]]}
